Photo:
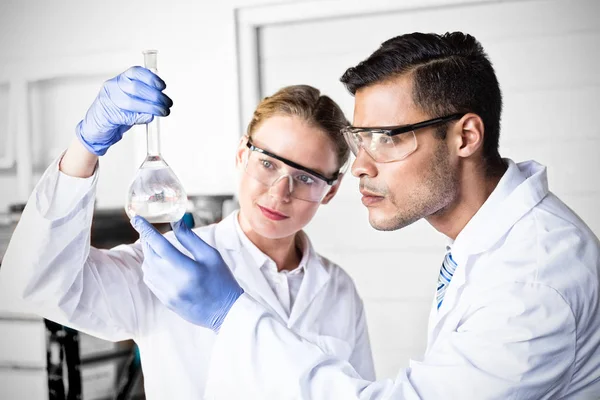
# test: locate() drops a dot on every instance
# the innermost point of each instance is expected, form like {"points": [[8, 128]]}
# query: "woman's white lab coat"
{"points": [[520, 318], [50, 264]]}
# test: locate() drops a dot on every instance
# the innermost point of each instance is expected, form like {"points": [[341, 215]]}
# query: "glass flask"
{"points": [[155, 193]]}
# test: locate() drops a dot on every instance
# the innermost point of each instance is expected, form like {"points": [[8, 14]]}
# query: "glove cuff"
{"points": [[92, 148], [215, 325]]}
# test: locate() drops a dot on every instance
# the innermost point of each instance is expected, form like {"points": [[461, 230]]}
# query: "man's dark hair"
{"points": [[451, 74]]}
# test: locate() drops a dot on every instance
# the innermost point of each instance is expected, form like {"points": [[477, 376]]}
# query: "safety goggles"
{"points": [[389, 143], [270, 169]]}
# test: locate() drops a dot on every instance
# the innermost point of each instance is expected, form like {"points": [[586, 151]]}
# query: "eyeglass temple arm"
{"points": [[396, 130]]}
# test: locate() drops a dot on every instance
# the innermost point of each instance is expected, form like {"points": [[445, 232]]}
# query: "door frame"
{"points": [[249, 20]]}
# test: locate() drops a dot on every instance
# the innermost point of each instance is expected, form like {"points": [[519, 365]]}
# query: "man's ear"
{"points": [[334, 189], [470, 137]]}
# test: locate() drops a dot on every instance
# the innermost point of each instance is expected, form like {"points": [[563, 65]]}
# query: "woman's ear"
{"points": [[241, 151], [334, 189]]}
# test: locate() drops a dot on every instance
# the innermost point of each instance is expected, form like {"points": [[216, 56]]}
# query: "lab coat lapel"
{"points": [[453, 292], [244, 267], [315, 278]]}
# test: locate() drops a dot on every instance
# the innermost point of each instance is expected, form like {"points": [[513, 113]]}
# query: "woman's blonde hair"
{"points": [[307, 103]]}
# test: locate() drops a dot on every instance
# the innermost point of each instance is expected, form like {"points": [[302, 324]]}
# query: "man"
{"points": [[516, 313]]}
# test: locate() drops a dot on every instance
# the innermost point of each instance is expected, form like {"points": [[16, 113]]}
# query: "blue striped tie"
{"points": [[446, 272]]}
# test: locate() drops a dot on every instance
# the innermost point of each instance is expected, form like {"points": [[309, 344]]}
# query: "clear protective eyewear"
{"points": [[389, 143], [303, 183]]}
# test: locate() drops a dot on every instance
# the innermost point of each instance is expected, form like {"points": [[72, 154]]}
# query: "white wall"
{"points": [[196, 42]]}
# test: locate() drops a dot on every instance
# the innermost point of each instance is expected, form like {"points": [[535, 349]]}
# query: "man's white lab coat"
{"points": [[520, 318]]}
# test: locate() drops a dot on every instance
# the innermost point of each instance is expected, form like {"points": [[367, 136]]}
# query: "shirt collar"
{"points": [[261, 259], [521, 187]]}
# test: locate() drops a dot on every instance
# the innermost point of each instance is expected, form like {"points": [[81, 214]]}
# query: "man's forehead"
{"points": [[385, 103]]}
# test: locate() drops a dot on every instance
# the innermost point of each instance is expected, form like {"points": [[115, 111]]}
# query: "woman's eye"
{"points": [[305, 179], [384, 139], [266, 163]]}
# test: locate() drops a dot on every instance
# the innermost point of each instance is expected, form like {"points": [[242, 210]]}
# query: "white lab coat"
{"points": [[520, 318], [50, 265]]}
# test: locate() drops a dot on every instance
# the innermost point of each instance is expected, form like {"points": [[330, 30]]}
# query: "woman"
{"points": [[289, 163]]}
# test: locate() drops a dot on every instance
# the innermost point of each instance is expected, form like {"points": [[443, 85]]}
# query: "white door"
{"points": [[546, 55]]}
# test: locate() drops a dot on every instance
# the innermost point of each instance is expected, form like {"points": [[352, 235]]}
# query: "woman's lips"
{"points": [[272, 214]]}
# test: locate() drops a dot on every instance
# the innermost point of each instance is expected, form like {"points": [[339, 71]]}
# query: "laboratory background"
{"points": [[219, 58]]}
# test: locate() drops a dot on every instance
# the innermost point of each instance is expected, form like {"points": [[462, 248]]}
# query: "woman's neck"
{"points": [[283, 251]]}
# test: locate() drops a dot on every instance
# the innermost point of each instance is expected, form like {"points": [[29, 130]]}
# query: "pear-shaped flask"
{"points": [[155, 193]]}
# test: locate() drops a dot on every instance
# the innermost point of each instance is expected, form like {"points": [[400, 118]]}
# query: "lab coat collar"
{"points": [[225, 234], [229, 235], [519, 190], [258, 256]]}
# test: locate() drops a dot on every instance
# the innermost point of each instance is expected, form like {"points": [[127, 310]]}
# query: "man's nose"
{"points": [[364, 164]]}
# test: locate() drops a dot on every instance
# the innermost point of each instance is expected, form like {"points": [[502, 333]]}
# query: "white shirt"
{"points": [[50, 266], [285, 284], [520, 318]]}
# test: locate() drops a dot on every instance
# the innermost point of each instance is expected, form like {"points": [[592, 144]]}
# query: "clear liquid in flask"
{"points": [[156, 194]]}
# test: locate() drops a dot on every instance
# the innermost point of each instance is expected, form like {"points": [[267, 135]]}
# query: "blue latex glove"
{"points": [[201, 290], [133, 97]]}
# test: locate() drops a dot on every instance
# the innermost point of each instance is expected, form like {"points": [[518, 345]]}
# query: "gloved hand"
{"points": [[201, 290], [132, 97]]}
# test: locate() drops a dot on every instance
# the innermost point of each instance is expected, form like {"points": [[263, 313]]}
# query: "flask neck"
{"points": [[153, 138], [152, 128]]}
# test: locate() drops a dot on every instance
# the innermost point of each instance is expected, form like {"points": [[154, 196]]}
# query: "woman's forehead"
{"points": [[296, 140]]}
